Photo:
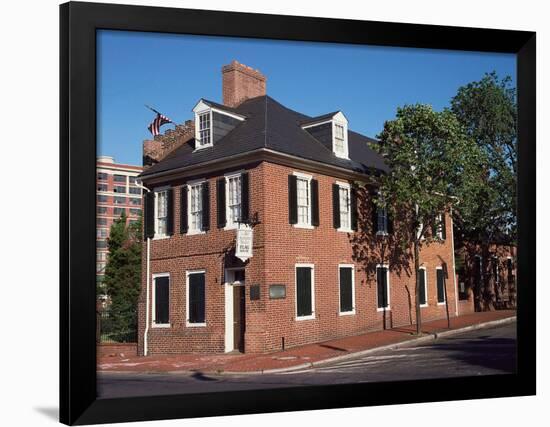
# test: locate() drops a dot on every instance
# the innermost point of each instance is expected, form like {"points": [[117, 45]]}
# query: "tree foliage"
{"points": [[488, 111], [123, 275]]}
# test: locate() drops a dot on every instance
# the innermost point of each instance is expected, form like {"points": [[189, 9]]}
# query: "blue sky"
{"points": [[172, 72]]}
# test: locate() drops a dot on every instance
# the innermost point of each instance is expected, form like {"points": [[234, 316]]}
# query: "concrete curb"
{"points": [[406, 343]]}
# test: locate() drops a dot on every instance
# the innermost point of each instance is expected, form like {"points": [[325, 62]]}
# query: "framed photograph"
{"points": [[264, 213]]}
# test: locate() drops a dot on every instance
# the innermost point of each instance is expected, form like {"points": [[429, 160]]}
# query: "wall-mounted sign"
{"points": [[254, 292], [277, 291], [245, 239]]}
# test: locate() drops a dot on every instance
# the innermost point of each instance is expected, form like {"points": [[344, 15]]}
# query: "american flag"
{"points": [[160, 120]]}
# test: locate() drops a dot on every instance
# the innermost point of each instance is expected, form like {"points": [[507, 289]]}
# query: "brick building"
{"points": [[116, 192], [295, 181]]}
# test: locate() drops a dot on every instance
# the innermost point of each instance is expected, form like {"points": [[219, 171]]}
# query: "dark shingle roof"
{"points": [[271, 125]]}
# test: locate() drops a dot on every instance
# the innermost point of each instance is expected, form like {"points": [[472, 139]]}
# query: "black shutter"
{"points": [[440, 285], [381, 281], [170, 213], [197, 300], [292, 199], [353, 207], [183, 209], [149, 215], [422, 283], [205, 194], [220, 202], [443, 227], [314, 202], [389, 221], [303, 291], [162, 300], [346, 292], [245, 198], [336, 205]]}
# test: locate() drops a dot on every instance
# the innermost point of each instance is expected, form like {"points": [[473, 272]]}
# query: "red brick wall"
{"points": [[240, 83], [278, 246], [112, 349]]}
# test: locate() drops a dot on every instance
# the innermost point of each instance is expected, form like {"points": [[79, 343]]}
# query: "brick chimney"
{"points": [[241, 82]]}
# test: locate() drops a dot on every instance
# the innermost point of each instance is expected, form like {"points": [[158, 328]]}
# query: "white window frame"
{"points": [[439, 229], [158, 190], [444, 290], [425, 286], [352, 311], [387, 267], [187, 323], [308, 178], [153, 301], [345, 153], [190, 185], [198, 115], [312, 315], [229, 223], [347, 186]]}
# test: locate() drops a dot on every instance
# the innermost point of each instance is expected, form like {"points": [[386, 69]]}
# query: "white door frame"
{"points": [[229, 300]]}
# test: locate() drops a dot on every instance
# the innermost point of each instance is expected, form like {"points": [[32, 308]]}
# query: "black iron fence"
{"points": [[116, 325]]}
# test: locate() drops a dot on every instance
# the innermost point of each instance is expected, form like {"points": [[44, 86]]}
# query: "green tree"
{"points": [[123, 276], [433, 165], [488, 111]]}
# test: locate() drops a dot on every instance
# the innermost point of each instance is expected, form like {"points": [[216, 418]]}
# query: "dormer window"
{"points": [[204, 130], [332, 131], [340, 138]]}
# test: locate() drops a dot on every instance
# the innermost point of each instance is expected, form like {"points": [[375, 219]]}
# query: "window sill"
{"points": [[344, 230], [195, 232], [231, 227], [347, 313], [441, 303], [423, 305], [384, 309], [304, 226], [202, 147], [160, 325], [311, 317], [382, 233], [161, 237], [195, 325]]}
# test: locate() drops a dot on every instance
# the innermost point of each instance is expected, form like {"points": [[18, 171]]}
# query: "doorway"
{"points": [[235, 310]]}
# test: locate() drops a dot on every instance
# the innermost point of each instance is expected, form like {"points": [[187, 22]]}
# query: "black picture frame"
{"points": [[78, 25]]}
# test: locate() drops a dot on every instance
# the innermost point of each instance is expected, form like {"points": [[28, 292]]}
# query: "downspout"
{"points": [[147, 280]]}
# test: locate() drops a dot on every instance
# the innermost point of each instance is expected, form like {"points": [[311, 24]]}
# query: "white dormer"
{"points": [[340, 135], [337, 140], [203, 125]]}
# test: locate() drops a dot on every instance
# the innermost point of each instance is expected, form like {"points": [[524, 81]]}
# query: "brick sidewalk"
{"points": [[292, 357]]}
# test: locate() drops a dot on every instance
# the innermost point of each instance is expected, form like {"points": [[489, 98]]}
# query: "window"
{"points": [[119, 211], [102, 187], [102, 210], [119, 178], [161, 213], [440, 285], [423, 299], [439, 228], [382, 220], [101, 256], [196, 298], [134, 201], [101, 221], [100, 267], [339, 139], [119, 200], [102, 198], [161, 300], [119, 189], [347, 289], [102, 176], [102, 233], [132, 180], [233, 199], [134, 190], [195, 207], [495, 269], [305, 292], [204, 130], [304, 210], [383, 287], [101, 244], [345, 211], [135, 211]]}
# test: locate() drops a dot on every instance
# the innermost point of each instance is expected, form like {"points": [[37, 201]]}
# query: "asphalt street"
{"points": [[479, 352]]}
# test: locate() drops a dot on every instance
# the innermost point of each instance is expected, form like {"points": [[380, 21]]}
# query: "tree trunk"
{"points": [[417, 287]]}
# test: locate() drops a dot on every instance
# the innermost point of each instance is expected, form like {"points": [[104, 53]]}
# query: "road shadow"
{"points": [[485, 351], [199, 376], [50, 412]]}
